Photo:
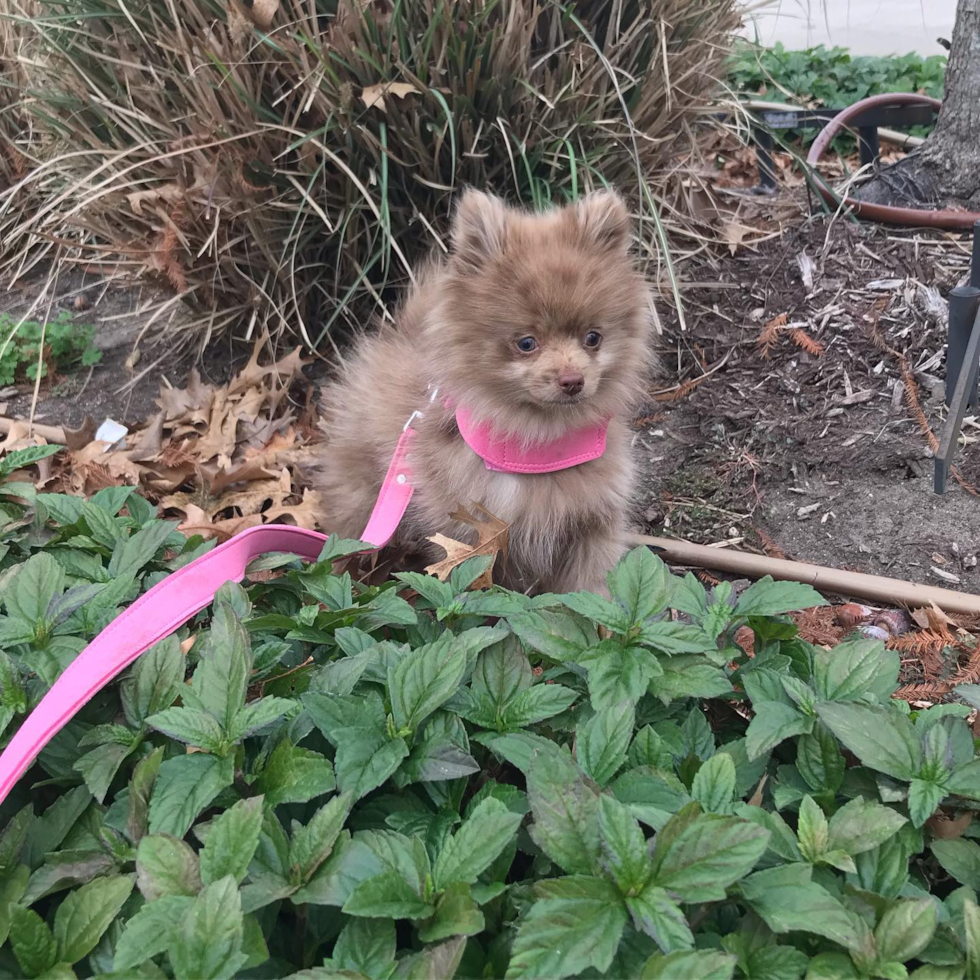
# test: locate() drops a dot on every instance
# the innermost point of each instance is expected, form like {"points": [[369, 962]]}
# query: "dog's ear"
{"points": [[603, 220], [479, 228]]}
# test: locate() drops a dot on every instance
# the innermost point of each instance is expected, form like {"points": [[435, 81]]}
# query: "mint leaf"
{"points": [[166, 866], [819, 760], [598, 610], [86, 913], [189, 725], [714, 784], [502, 671], [706, 856], [787, 900], [19, 458], [312, 845], [959, 858], [704, 964], [457, 914], [565, 813], [132, 553], [364, 761], [295, 775], [971, 932], [221, 678], [99, 767], [184, 786], [641, 582], [366, 946], [675, 638], [773, 723], [657, 915], [924, 799], [387, 896], [769, 598], [486, 831], [880, 737], [154, 681], [232, 841], [32, 942], [33, 589], [812, 830], [558, 636], [424, 679], [855, 668], [257, 714], [439, 594], [859, 826], [350, 863], [576, 923], [905, 930], [601, 743], [618, 673], [208, 944], [536, 704], [150, 931], [625, 851], [140, 789]]}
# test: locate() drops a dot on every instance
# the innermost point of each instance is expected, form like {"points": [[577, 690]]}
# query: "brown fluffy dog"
{"points": [[537, 322]]}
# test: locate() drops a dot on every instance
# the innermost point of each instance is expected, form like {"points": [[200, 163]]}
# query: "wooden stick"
{"points": [[53, 433], [890, 591]]}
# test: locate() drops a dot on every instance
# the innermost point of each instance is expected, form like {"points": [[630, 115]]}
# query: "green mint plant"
{"points": [[316, 778]]}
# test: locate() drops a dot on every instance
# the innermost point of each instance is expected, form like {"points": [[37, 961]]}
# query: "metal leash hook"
{"points": [[962, 363]]}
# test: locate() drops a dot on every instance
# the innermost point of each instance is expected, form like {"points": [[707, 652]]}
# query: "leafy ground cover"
{"points": [[321, 778], [46, 347], [832, 76]]}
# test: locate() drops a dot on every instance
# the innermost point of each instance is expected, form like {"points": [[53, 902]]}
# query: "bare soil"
{"points": [[817, 455]]}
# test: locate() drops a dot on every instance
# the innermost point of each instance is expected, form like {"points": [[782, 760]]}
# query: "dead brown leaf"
{"points": [[931, 617], [262, 12], [948, 828], [491, 535], [82, 436], [303, 514], [374, 95]]}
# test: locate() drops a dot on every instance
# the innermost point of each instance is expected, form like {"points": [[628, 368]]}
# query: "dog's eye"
{"points": [[527, 344], [593, 338]]}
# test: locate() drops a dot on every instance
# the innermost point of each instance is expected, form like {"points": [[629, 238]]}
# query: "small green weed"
{"points": [[66, 344]]}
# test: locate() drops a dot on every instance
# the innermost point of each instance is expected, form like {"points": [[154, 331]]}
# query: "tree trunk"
{"points": [[945, 171]]}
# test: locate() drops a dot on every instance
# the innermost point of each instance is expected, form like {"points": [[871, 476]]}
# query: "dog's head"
{"points": [[544, 323]]}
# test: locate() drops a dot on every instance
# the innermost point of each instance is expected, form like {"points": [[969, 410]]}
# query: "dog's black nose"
{"points": [[571, 382]]}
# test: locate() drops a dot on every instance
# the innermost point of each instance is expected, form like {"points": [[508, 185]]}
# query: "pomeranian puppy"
{"points": [[537, 324]]}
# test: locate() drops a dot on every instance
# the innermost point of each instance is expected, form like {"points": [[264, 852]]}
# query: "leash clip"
{"points": [[418, 414]]}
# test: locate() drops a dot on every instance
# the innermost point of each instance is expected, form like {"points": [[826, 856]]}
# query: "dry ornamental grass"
{"points": [[283, 164]]}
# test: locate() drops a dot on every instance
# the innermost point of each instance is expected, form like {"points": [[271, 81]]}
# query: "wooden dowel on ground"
{"points": [[53, 433], [889, 591]]}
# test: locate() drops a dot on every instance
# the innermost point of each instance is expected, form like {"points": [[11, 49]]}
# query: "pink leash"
{"points": [[170, 603]]}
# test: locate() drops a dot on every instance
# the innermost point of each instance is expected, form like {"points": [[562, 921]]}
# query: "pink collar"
{"points": [[508, 454]]}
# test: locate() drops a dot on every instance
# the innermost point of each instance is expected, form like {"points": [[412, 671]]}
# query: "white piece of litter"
{"points": [[110, 432]]}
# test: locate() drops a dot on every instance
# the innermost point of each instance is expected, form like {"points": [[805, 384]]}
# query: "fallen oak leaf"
{"points": [[303, 514], [491, 534]]}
